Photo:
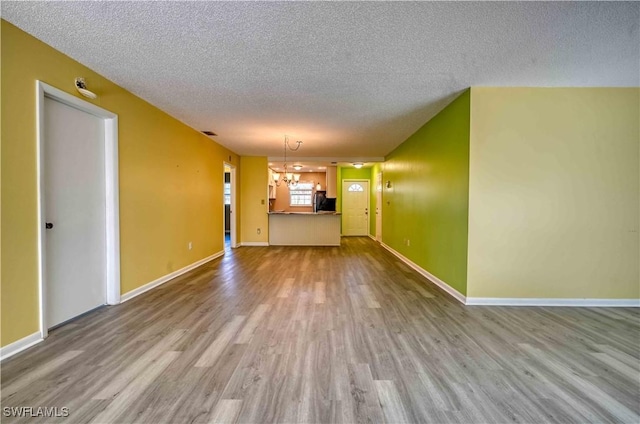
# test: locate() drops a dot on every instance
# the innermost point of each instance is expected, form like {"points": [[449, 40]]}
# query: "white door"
{"points": [[379, 207], [74, 205], [355, 208]]}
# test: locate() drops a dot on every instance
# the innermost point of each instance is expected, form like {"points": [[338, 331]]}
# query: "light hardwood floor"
{"points": [[337, 334]]}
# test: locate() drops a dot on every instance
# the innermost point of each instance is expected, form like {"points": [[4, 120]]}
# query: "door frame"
{"points": [[232, 214], [368, 181], [378, 234], [112, 216]]}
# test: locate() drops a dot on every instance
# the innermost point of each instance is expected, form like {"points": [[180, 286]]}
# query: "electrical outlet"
{"points": [[190, 245]]}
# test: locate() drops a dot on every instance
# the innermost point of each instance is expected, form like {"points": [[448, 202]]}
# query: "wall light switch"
{"points": [[190, 245]]}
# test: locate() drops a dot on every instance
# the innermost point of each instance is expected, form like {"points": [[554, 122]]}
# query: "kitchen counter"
{"points": [[304, 213], [304, 228]]}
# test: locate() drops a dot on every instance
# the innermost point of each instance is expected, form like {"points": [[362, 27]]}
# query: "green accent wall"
{"points": [[428, 202]]}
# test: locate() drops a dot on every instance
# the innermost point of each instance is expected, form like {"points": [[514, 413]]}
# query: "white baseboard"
{"points": [[601, 303], [503, 301], [155, 283], [253, 243], [20, 345], [435, 280]]}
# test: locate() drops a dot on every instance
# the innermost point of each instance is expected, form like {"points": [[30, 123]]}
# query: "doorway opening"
{"points": [[229, 206]]}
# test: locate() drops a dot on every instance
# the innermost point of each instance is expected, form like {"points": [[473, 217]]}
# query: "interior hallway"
{"points": [[345, 334]]}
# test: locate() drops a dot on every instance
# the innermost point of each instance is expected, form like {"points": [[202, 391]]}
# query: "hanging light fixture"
{"points": [[289, 178]]}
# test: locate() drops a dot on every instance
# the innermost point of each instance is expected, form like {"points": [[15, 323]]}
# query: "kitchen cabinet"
{"points": [[332, 182], [272, 186]]}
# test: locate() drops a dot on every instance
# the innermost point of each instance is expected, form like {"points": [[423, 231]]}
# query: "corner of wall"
{"points": [[254, 200]]}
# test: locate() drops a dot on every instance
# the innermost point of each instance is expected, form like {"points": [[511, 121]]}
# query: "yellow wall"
{"points": [[554, 183], [254, 199], [171, 180]]}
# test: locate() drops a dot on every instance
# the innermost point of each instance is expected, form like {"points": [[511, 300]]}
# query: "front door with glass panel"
{"points": [[355, 208]]}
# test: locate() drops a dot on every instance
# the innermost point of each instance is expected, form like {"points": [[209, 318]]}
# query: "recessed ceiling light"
{"points": [[297, 167], [209, 133], [358, 165]]}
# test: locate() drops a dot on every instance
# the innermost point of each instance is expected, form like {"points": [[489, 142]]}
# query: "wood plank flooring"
{"points": [[334, 334]]}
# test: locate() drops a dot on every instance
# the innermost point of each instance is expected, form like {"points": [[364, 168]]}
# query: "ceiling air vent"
{"points": [[209, 133]]}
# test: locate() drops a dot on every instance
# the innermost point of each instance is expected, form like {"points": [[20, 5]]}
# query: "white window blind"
{"points": [[227, 193]]}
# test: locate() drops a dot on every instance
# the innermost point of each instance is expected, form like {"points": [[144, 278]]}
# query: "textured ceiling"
{"points": [[352, 80]]}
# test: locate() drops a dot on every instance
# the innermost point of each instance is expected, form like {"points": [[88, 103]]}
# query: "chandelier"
{"points": [[289, 178]]}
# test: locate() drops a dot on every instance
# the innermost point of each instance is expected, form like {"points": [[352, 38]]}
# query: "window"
{"points": [[301, 194], [355, 187], [227, 193]]}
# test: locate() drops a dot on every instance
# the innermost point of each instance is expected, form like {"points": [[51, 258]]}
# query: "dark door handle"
{"points": [[48, 225]]}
